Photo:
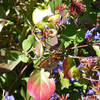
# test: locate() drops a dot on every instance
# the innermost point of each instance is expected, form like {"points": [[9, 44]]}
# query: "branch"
{"points": [[82, 46]]}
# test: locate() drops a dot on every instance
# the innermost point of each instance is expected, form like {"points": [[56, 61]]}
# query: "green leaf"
{"points": [[26, 45], [64, 81], [31, 39], [59, 2], [8, 67], [69, 34], [54, 4], [98, 61], [77, 84], [97, 49], [24, 58], [79, 36], [10, 62], [23, 93], [67, 43]]}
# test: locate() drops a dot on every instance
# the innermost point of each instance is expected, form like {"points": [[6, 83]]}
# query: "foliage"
{"points": [[50, 49]]}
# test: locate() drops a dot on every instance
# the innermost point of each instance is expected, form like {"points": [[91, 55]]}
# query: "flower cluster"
{"points": [[76, 8], [90, 36], [61, 7], [46, 33]]}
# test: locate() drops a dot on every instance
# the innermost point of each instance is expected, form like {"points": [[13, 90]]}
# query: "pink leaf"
{"points": [[40, 86]]}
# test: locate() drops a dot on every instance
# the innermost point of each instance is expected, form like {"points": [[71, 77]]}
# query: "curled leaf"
{"points": [[69, 68]]}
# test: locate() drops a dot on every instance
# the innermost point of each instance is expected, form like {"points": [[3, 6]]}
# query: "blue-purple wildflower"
{"points": [[60, 63], [68, 21], [56, 70], [47, 27], [72, 80], [90, 92], [94, 28], [88, 34], [7, 97], [80, 65], [98, 73], [97, 36], [39, 31], [54, 97], [76, 20], [97, 98], [59, 67], [42, 38]]}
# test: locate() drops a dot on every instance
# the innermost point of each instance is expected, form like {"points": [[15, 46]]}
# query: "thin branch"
{"points": [[90, 79], [82, 46]]}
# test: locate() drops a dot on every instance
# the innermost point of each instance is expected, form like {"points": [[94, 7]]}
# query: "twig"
{"points": [[81, 57], [82, 46], [90, 79]]}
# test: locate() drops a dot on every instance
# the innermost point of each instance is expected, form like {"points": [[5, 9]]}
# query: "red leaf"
{"points": [[67, 67], [40, 86]]}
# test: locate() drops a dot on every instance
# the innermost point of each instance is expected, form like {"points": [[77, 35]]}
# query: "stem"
{"points": [[82, 46], [90, 79], [80, 57]]}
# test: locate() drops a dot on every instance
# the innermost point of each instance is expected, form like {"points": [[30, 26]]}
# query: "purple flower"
{"points": [[76, 20], [97, 98], [6, 94], [60, 67], [39, 31], [55, 70], [72, 80], [90, 92], [98, 73], [60, 63], [47, 27], [54, 97], [42, 38], [68, 21], [88, 34], [94, 28], [7, 97], [80, 65], [97, 36]]}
